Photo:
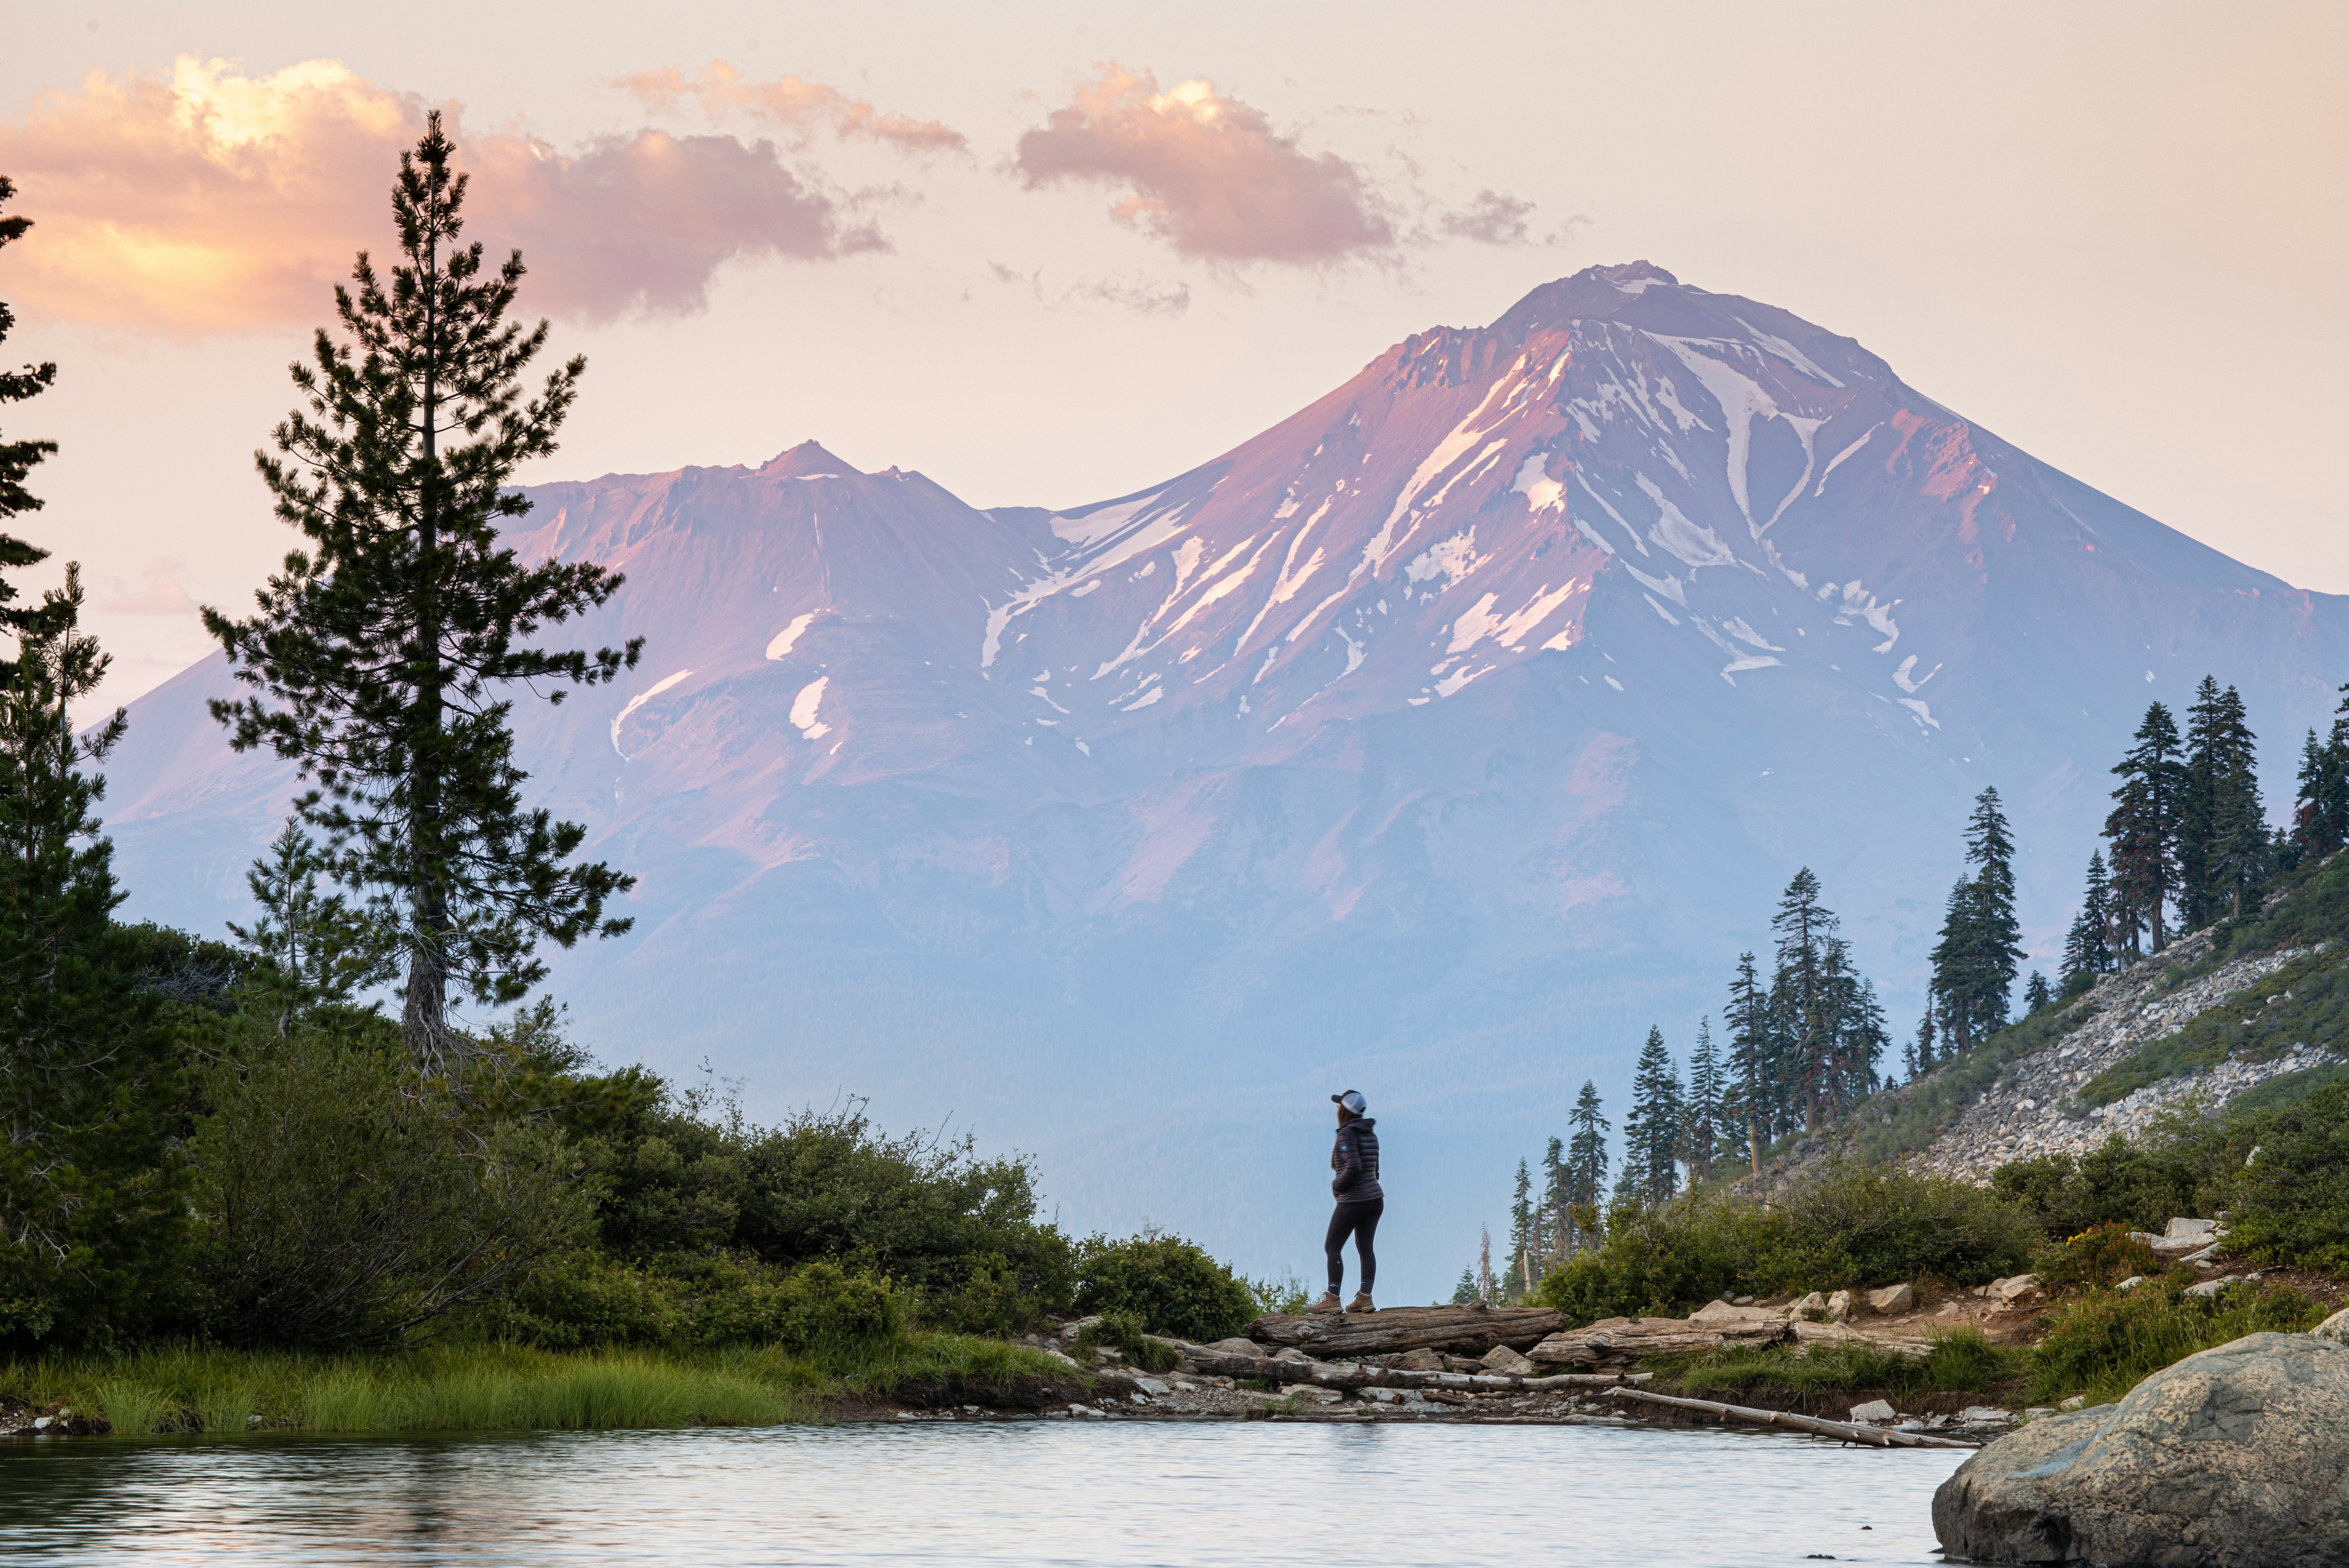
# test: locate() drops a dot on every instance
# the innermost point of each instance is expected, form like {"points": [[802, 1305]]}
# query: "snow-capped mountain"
{"points": [[1434, 742]]}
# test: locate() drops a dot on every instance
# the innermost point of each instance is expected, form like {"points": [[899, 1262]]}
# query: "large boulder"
{"points": [[2234, 1458]]}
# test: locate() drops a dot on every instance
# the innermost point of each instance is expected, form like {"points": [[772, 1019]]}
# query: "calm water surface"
{"points": [[1019, 1494]]}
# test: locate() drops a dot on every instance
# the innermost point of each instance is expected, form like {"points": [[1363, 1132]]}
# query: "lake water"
{"points": [[1012, 1493]]}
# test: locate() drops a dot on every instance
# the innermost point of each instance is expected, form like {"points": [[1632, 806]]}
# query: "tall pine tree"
{"points": [[384, 652], [2320, 819], [1748, 1019], [1803, 1001], [2088, 950], [1586, 1148], [1557, 1210], [2143, 829], [1517, 1278], [1651, 1128], [1702, 1114]]}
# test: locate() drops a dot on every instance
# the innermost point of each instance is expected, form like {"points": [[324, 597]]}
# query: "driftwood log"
{"points": [[1467, 1330], [1346, 1375], [1625, 1339], [1874, 1436]]}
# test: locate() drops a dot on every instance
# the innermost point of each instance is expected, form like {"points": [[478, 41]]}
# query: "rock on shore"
{"points": [[2234, 1458]]}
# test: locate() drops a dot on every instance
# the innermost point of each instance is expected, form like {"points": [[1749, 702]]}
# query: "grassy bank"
{"points": [[479, 1388]]}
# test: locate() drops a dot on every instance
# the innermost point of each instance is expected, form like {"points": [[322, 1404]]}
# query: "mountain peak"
{"points": [[1631, 277], [804, 461]]}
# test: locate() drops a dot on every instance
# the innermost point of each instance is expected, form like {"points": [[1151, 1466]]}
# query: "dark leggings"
{"points": [[1359, 1220]]}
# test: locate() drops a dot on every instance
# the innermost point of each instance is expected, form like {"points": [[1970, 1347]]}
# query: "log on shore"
{"points": [[1346, 1375], [1873, 1436], [1468, 1330], [1626, 1339]]}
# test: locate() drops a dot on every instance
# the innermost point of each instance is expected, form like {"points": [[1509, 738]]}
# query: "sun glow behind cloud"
{"points": [[206, 200]]}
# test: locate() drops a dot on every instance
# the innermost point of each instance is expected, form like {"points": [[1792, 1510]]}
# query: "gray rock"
{"points": [[1152, 1385], [1501, 1359], [2131, 1283], [1237, 1347], [2074, 1403], [1892, 1300], [2335, 1327], [1839, 1306], [1423, 1359], [1812, 1306], [2234, 1458], [2213, 1286], [1874, 1410]]}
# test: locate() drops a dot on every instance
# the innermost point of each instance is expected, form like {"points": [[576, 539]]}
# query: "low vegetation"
{"points": [[1846, 1226], [2103, 1343], [1962, 1361]]}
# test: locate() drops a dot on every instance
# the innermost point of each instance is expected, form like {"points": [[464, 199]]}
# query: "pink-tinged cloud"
{"points": [[792, 105], [210, 200], [1494, 218], [1207, 173]]}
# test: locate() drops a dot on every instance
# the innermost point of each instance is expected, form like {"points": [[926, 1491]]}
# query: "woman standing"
{"points": [[1361, 1201]]}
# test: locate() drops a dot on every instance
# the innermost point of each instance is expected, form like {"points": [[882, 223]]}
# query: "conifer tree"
{"points": [[1921, 1057], [2143, 828], [1651, 1128], [1518, 1275], [1702, 1116], [385, 651], [18, 461], [2088, 949], [1975, 960], [1557, 1210], [1465, 1293], [2233, 854], [318, 949], [1748, 1018], [1805, 1007], [1586, 1150], [2320, 822], [89, 1212], [2036, 992]]}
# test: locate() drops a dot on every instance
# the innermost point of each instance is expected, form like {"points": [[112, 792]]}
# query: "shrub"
{"points": [[2107, 1342], [1169, 1285], [2292, 1198], [2118, 1182], [339, 1200], [587, 1300], [2100, 1256], [1961, 1361], [1843, 1228], [1124, 1331]]}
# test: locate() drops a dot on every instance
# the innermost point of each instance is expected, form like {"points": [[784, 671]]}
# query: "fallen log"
{"points": [[1844, 1429], [1472, 1330], [1348, 1375], [1622, 1339]]}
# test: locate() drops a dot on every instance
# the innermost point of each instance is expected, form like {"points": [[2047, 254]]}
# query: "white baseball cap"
{"points": [[1352, 1100]]}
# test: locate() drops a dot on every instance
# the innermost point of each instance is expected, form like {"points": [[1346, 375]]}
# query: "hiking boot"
{"points": [[1329, 1303], [1361, 1301]]}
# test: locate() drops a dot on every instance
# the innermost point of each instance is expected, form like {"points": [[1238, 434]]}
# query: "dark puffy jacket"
{"points": [[1356, 1161]]}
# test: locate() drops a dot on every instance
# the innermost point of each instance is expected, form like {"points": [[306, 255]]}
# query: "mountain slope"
{"points": [[1433, 742]]}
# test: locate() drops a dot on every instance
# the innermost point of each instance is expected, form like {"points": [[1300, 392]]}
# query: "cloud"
{"points": [[160, 594], [1494, 218], [1139, 298], [210, 200], [1207, 173], [792, 105]]}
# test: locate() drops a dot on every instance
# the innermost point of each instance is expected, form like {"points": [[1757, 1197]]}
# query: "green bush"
{"points": [[1844, 1228], [1171, 1286], [2101, 1255], [2103, 1344], [1962, 1361], [2134, 1186], [687, 1174], [339, 1200], [587, 1300], [2291, 1198], [1124, 1331]]}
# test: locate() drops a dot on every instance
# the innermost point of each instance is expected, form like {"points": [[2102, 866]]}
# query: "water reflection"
{"points": [[1013, 1493]]}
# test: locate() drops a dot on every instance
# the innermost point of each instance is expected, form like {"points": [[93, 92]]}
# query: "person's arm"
{"points": [[1347, 1161]]}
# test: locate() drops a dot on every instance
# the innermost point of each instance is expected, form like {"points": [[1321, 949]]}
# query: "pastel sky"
{"points": [[1049, 253]]}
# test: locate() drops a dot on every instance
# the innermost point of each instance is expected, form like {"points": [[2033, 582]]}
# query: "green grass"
{"points": [[453, 1389], [2105, 1343], [1961, 1361]]}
